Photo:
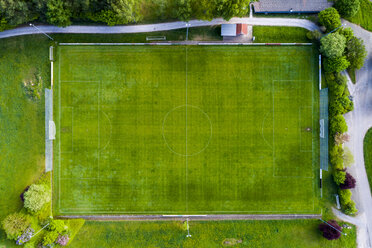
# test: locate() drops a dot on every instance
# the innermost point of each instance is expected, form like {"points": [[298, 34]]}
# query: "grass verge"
{"points": [[367, 147], [275, 234], [364, 15], [265, 34]]}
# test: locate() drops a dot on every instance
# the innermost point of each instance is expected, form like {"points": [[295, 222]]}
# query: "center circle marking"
{"points": [[172, 128]]}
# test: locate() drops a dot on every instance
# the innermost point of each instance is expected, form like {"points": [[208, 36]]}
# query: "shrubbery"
{"points": [[329, 231], [36, 197], [341, 51], [56, 232], [347, 8], [14, 224], [330, 19]]}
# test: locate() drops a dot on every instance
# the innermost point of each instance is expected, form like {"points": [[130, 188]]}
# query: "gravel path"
{"points": [[359, 121], [159, 27]]}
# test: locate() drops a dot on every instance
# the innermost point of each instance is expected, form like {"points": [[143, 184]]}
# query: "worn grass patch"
{"points": [[186, 130]]}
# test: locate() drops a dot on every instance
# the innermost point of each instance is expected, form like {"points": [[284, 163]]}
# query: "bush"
{"points": [[336, 157], [50, 237], [314, 35], [36, 197], [341, 138], [58, 226], [333, 45], [63, 240], [329, 232], [345, 196], [337, 125], [356, 53], [339, 176], [14, 225], [348, 157], [336, 84], [349, 182], [347, 8], [346, 32], [329, 18], [337, 64], [350, 208]]}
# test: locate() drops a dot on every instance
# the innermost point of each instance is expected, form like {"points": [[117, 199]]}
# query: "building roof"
{"points": [[277, 6], [228, 30]]}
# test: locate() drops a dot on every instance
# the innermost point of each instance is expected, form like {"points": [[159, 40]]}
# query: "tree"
{"points": [[232, 8], [333, 45], [36, 196], [341, 138], [348, 33], [348, 157], [16, 11], [314, 35], [50, 237], [14, 225], [337, 125], [350, 208], [329, 18], [337, 64], [204, 9], [347, 8], [126, 10], [336, 84], [339, 176], [331, 231], [183, 10], [58, 13], [349, 182], [356, 53], [63, 240]]}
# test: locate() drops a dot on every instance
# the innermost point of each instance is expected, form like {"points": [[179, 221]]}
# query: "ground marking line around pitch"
{"points": [[186, 159]]}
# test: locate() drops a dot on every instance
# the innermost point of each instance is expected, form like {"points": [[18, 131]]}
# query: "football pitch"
{"points": [[186, 130]]}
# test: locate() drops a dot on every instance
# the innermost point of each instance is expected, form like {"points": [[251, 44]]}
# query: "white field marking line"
{"points": [[299, 114], [187, 205], [273, 89], [163, 130], [59, 127], [262, 129], [99, 133], [108, 212]]}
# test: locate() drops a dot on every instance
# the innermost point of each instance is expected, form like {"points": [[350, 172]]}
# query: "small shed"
{"points": [[233, 30]]}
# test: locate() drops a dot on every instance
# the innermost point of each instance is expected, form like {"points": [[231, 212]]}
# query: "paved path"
{"points": [[196, 217], [359, 121], [158, 27]]}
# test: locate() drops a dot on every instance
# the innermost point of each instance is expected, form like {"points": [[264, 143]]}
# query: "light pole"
{"points": [[334, 30], [333, 227], [32, 25], [188, 229], [187, 30]]}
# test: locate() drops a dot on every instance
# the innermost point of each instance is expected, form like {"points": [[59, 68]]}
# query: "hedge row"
{"points": [[339, 50]]}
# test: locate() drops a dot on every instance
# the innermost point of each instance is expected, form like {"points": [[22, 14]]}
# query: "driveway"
{"points": [[359, 121], [293, 22]]}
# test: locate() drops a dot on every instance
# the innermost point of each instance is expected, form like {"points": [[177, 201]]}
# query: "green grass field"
{"points": [[367, 147], [186, 130], [257, 234]]}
